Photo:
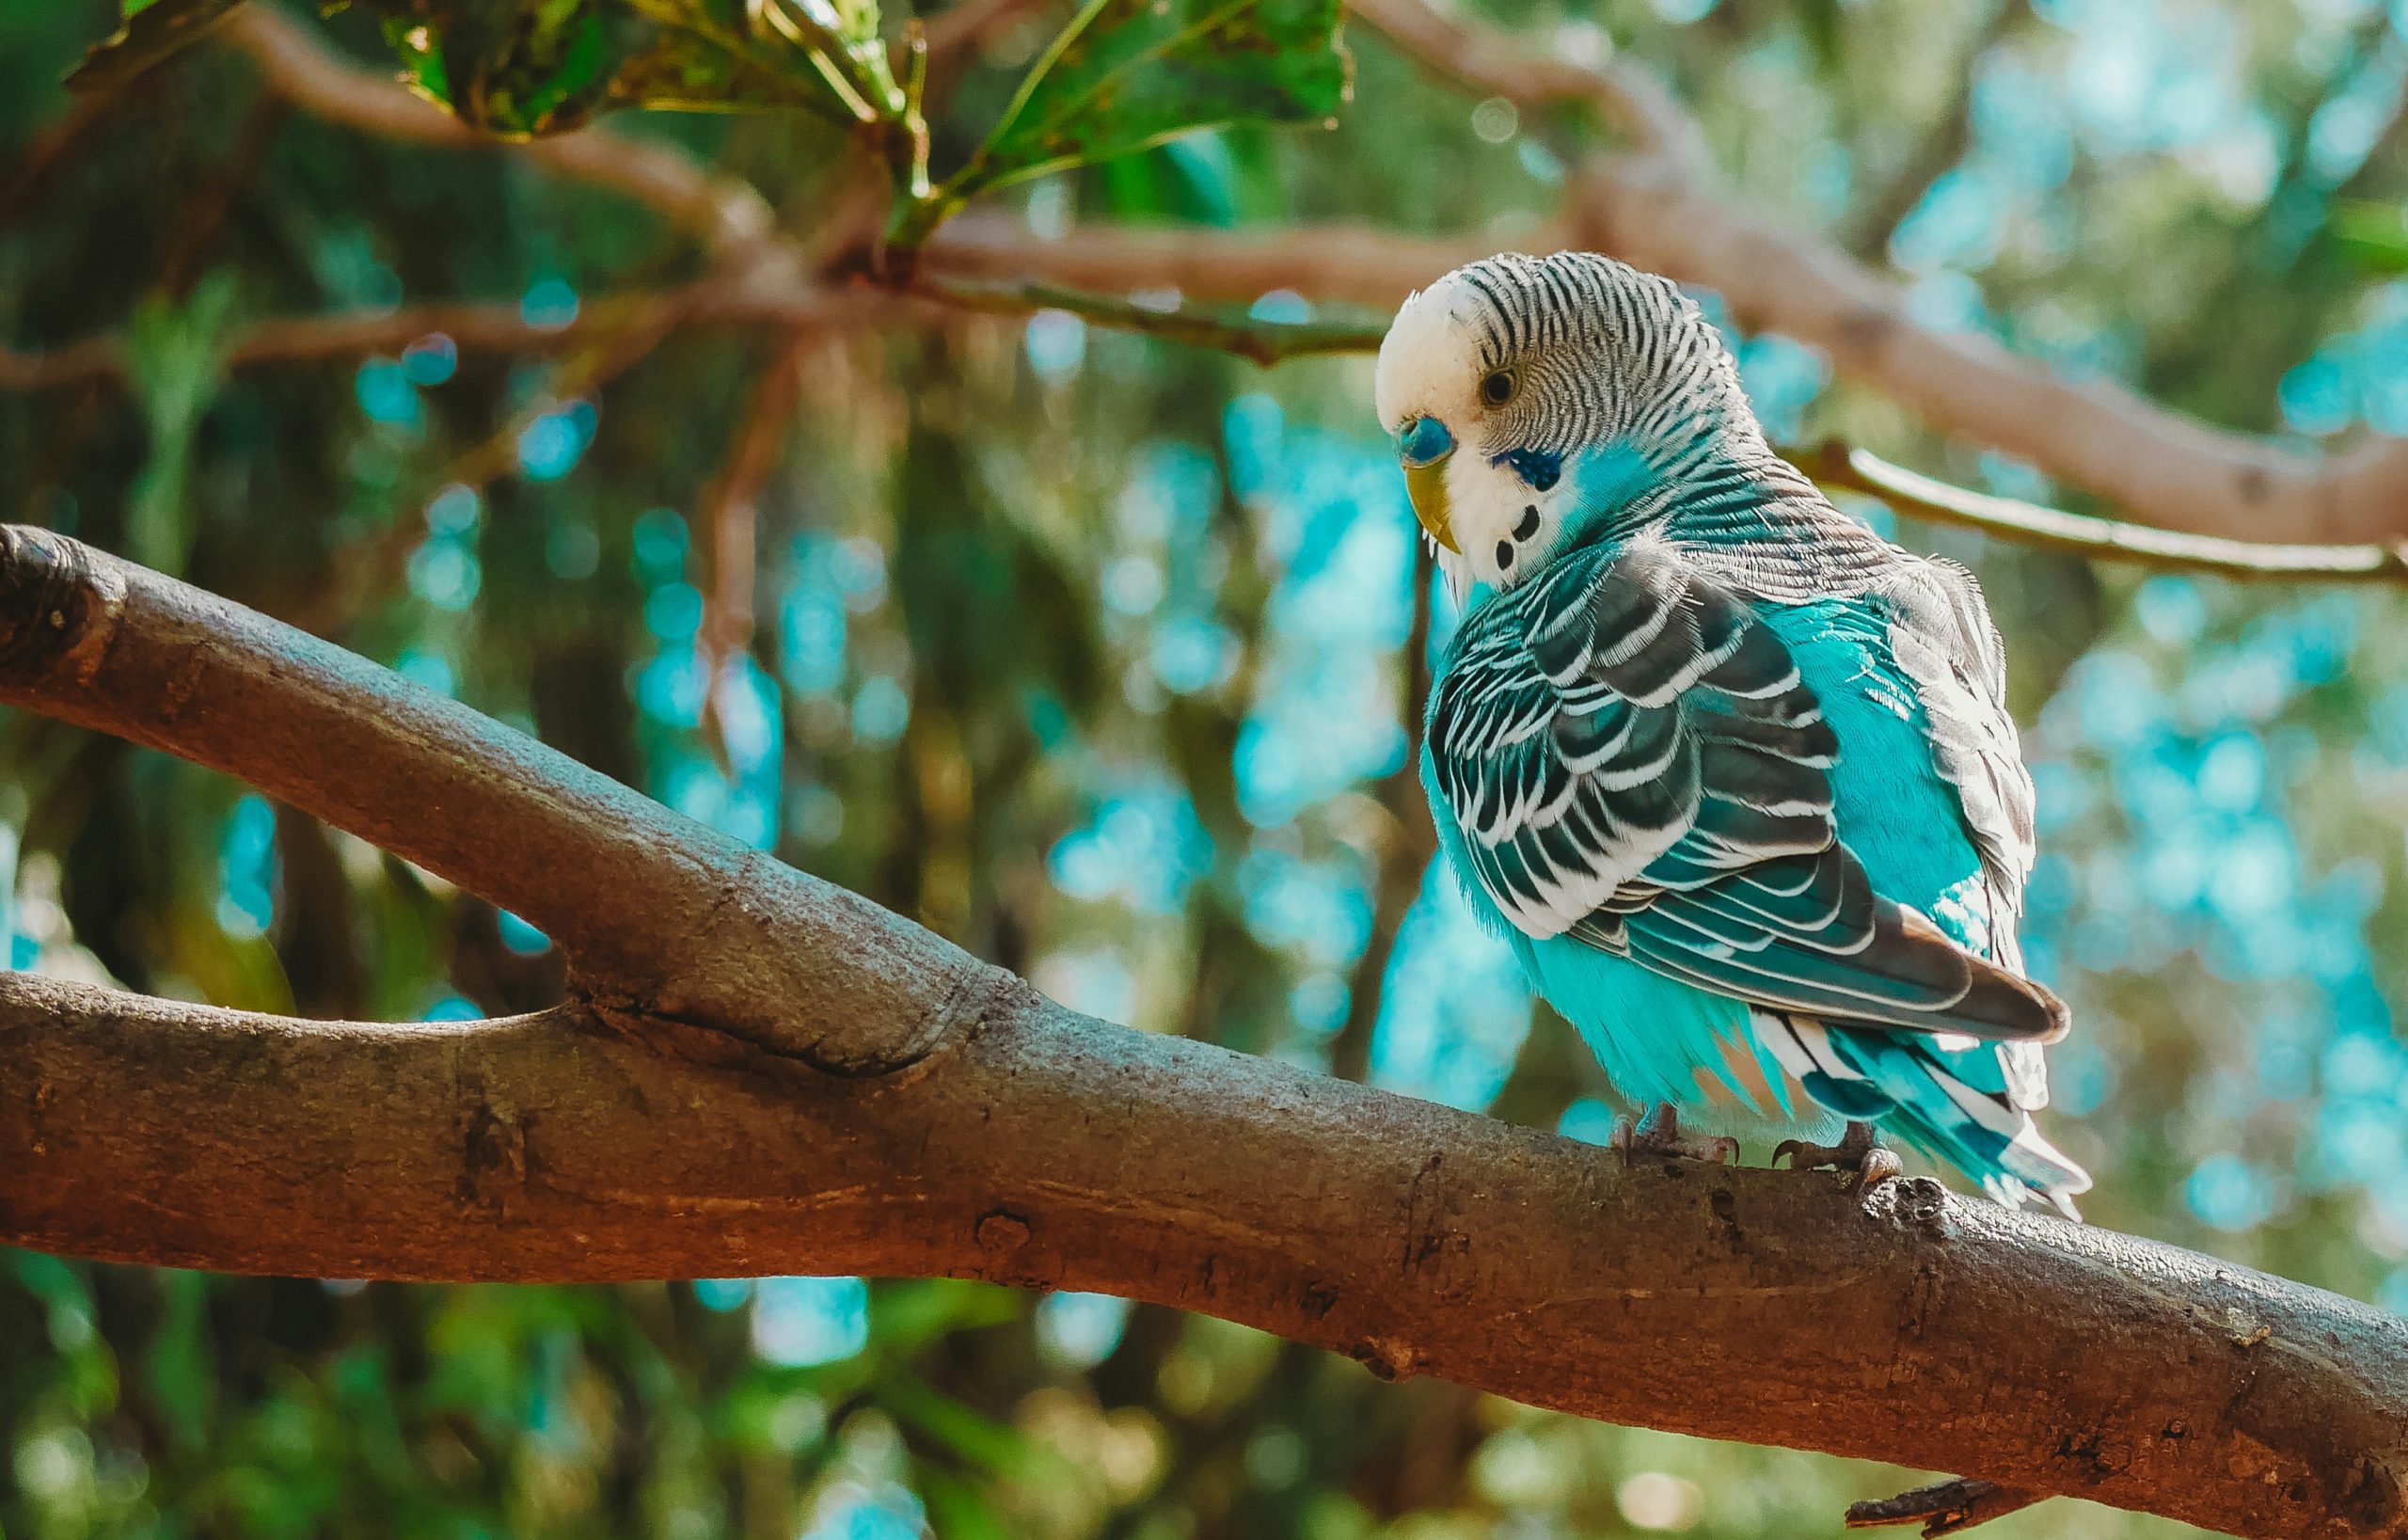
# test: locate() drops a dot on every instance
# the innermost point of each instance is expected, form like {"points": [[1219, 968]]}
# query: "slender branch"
{"points": [[300, 338], [731, 512], [1948, 1507], [1265, 341], [1835, 465], [1656, 205], [757, 1072]]}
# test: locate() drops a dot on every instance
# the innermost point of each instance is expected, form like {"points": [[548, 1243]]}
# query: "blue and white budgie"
{"points": [[1734, 775]]}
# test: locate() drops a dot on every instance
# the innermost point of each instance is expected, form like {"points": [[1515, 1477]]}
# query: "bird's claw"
{"points": [[1858, 1151], [1659, 1133]]}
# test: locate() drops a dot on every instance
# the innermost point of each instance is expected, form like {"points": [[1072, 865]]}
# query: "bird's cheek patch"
{"points": [[1538, 468]]}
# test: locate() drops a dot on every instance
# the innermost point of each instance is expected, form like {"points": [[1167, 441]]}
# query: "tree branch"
{"points": [[1264, 342], [1655, 204], [759, 1072], [1948, 1507], [1835, 465], [1659, 211]]}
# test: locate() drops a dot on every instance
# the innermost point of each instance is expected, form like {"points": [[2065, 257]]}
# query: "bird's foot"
{"points": [[1659, 1133], [1858, 1151]]}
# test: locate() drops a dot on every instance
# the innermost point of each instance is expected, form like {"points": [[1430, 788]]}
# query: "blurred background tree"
{"points": [[1093, 651]]}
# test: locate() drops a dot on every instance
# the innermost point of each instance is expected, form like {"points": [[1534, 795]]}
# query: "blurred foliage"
{"points": [[1126, 75], [1085, 649]]}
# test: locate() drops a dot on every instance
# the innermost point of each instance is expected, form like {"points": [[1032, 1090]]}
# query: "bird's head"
{"points": [[1532, 396]]}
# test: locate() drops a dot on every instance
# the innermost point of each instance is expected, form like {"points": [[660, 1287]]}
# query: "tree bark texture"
{"points": [[758, 1073]]}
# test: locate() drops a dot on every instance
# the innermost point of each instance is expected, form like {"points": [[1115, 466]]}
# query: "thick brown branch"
{"points": [[760, 1072]]}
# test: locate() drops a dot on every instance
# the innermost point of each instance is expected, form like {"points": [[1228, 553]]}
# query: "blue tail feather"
{"points": [[1952, 1105]]}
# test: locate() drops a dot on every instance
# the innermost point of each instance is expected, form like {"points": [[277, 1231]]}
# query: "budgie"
{"points": [[1734, 775]]}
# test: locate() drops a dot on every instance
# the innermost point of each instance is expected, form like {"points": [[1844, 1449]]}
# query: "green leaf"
{"points": [[175, 361], [154, 30], [2373, 235], [685, 71], [537, 67], [1128, 74], [548, 66], [970, 1435], [723, 55]]}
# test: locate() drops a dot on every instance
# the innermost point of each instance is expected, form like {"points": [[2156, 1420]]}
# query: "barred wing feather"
{"points": [[1634, 761]]}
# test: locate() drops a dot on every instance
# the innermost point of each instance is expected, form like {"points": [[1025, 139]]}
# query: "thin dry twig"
{"points": [[1835, 465], [731, 512], [1946, 1507], [1264, 341], [1654, 203]]}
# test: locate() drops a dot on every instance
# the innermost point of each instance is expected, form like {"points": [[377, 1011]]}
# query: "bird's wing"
{"points": [[1632, 759], [1944, 640]]}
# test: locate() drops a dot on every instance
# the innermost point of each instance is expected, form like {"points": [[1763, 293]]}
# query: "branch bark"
{"points": [[756, 1071]]}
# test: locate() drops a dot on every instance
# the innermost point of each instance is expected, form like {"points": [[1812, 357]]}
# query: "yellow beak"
{"points": [[1426, 484], [1423, 444]]}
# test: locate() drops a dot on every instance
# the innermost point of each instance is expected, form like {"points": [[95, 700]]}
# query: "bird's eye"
{"points": [[1496, 388]]}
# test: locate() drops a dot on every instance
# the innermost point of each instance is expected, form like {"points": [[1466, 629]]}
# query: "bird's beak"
{"points": [[1424, 446]]}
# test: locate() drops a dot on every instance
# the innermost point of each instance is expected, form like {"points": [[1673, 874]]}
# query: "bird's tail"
{"points": [[1965, 1106]]}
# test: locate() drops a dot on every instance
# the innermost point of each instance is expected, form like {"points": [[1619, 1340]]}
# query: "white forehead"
{"points": [[1433, 343]]}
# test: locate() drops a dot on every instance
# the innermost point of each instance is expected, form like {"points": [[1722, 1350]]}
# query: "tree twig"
{"points": [[1836, 465], [757, 1072], [1946, 1507], [1655, 204], [473, 326], [1264, 341], [732, 514]]}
